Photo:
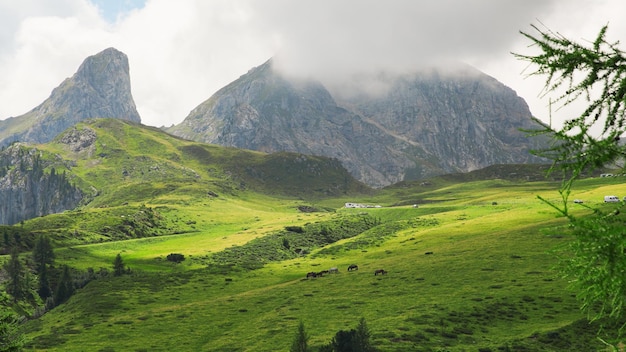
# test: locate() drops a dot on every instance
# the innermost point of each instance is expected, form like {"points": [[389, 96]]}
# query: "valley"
{"points": [[408, 207], [471, 268]]}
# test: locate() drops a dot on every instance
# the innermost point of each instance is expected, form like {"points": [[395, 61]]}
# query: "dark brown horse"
{"points": [[380, 271], [311, 274], [353, 267]]}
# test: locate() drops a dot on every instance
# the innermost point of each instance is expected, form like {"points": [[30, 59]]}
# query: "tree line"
{"points": [[37, 282]]}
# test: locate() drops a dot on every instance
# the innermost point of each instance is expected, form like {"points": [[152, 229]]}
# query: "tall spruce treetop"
{"points": [[300, 342], [43, 253], [118, 265], [16, 286], [595, 74]]}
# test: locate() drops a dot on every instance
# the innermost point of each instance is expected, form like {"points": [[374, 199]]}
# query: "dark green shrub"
{"points": [[175, 257], [297, 229]]}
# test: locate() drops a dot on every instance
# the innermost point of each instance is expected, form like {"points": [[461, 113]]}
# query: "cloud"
{"points": [[187, 53], [181, 52], [334, 37], [43, 49]]}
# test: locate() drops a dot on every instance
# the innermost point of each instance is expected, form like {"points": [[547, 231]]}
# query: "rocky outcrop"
{"points": [[421, 125], [100, 88], [30, 186]]}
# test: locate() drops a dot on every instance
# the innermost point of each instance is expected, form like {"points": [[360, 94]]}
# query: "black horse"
{"points": [[353, 267], [311, 274]]}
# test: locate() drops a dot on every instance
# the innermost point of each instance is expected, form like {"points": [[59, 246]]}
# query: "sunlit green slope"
{"points": [[471, 268], [140, 182]]}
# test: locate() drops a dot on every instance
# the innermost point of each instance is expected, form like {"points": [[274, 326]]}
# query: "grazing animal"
{"points": [[353, 267], [311, 274], [428, 253], [380, 271], [321, 273], [333, 270]]}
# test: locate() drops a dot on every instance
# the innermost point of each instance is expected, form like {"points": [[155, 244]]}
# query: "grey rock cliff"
{"points": [[100, 88], [263, 111], [464, 118], [30, 186], [421, 125]]}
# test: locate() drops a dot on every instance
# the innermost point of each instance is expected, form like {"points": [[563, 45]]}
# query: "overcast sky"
{"points": [[181, 52]]}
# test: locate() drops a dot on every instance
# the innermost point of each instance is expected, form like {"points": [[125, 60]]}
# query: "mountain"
{"points": [[102, 163], [420, 125], [100, 88]]}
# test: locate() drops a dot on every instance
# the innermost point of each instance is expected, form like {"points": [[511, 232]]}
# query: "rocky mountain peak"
{"points": [[100, 88], [421, 124]]}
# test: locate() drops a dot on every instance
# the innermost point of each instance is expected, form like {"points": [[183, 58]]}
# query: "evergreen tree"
{"points": [[353, 340], [11, 340], [301, 340], [65, 288], [343, 341], [43, 287], [118, 266], [43, 253], [362, 337], [595, 73], [16, 284]]}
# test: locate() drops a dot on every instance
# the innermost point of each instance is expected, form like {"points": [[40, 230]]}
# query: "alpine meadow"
{"points": [[437, 215], [469, 258]]}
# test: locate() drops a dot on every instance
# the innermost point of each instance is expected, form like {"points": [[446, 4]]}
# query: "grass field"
{"points": [[470, 269]]}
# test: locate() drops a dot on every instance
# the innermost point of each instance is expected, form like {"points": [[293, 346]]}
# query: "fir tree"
{"points": [[301, 340], [43, 255], [43, 287], [16, 285], [353, 340], [118, 266], [65, 288], [362, 337]]}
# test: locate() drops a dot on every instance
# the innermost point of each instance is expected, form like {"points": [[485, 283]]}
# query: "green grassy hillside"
{"points": [[141, 182], [470, 268], [489, 283]]}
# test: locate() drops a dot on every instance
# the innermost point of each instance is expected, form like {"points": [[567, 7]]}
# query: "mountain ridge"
{"points": [[423, 124]]}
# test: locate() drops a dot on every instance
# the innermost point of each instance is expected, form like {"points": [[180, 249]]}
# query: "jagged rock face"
{"points": [[263, 111], [466, 119], [422, 125], [27, 190], [100, 88]]}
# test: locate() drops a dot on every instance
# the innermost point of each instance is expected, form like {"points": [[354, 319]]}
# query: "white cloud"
{"points": [[182, 52]]}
